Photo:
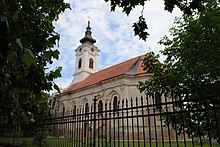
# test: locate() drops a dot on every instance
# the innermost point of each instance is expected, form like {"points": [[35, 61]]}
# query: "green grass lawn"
{"points": [[62, 142]]}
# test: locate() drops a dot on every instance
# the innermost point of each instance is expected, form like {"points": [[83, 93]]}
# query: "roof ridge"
{"points": [[118, 64]]}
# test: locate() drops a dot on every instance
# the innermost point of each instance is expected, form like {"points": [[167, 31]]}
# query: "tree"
{"points": [[190, 75], [140, 27], [27, 39]]}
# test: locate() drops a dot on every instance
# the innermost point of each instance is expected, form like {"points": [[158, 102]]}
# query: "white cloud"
{"points": [[112, 30]]}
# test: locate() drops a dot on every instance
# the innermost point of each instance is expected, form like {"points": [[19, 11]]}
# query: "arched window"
{"points": [[74, 110], [80, 63], [115, 103], [100, 106], [86, 108], [63, 111], [158, 100], [91, 63]]}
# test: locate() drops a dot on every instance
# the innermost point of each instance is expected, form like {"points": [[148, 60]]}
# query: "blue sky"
{"points": [[112, 30]]}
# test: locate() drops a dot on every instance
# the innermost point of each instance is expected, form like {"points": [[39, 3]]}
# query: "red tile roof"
{"points": [[129, 67]]}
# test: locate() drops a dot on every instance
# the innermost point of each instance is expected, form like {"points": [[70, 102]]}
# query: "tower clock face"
{"points": [[92, 49]]}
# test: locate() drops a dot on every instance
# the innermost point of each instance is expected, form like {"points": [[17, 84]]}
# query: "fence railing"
{"points": [[141, 122]]}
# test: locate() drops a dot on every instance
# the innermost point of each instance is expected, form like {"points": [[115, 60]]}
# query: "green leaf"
{"points": [[27, 32], [57, 88], [56, 54], [140, 28], [57, 72], [29, 58]]}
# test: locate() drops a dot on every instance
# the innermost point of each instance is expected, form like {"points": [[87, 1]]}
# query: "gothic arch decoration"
{"points": [[86, 108], [83, 102], [80, 63], [73, 108], [73, 103], [100, 103], [113, 93], [114, 98], [98, 97], [91, 63]]}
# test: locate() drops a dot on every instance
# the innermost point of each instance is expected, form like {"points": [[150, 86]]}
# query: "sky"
{"points": [[113, 33]]}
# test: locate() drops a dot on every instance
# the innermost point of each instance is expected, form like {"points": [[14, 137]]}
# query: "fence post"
{"points": [[94, 126]]}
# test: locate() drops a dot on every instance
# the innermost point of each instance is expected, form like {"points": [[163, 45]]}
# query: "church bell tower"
{"points": [[86, 57]]}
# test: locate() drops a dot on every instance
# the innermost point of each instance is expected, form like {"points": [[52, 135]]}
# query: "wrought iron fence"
{"points": [[138, 122]]}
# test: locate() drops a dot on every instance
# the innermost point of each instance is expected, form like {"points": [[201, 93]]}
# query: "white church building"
{"points": [[107, 85]]}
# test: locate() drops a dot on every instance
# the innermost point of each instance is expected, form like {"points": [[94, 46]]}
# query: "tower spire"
{"points": [[88, 35], [86, 57]]}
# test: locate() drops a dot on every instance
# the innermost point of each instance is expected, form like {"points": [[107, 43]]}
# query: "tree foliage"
{"points": [[191, 71], [140, 27], [27, 39]]}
